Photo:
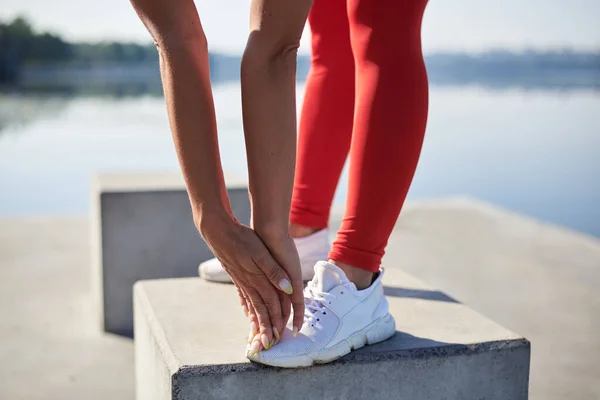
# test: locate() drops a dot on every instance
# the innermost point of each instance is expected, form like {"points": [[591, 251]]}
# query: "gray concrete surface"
{"points": [[50, 346], [142, 229], [531, 277], [191, 337]]}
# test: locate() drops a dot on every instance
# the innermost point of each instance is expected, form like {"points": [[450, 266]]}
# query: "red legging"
{"points": [[366, 94]]}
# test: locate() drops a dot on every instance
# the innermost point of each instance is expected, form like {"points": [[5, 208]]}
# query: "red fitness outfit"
{"points": [[367, 96]]}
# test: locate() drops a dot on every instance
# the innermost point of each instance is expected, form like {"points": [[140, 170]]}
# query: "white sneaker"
{"points": [[338, 319], [311, 249]]}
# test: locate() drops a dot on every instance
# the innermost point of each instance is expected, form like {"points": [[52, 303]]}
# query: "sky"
{"points": [[449, 25]]}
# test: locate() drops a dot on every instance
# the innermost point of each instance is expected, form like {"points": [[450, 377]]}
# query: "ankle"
{"points": [[299, 231], [359, 276]]}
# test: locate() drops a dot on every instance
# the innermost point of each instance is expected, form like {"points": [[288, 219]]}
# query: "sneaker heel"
{"points": [[384, 329]]}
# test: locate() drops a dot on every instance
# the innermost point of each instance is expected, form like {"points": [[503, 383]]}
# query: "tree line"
{"points": [[22, 45]]}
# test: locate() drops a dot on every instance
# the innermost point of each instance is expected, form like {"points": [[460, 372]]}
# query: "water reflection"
{"points": [[529, 147], [27, 104], [45, 91], [18, 110]]}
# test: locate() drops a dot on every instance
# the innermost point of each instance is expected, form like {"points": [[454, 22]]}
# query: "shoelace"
{"points": [[315, 303]]}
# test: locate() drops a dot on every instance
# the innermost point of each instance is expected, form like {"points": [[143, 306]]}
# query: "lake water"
{"points": [[534, 152]]}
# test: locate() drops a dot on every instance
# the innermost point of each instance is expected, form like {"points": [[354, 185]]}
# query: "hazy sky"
{"points": [[449, 24]]}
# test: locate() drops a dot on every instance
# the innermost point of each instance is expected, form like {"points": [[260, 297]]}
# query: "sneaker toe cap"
{"points": [[266, 358], [289, 353]]}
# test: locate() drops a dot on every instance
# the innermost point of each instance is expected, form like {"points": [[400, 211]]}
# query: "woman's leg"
{"points": [[326, 120], [389, 125]]}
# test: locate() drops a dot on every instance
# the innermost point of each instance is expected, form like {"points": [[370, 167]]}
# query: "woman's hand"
{"points": [[261, 281], [282, 248]]}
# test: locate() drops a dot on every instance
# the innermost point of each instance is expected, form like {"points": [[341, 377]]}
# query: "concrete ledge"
{"points": [[191, 336], [142, 228]]}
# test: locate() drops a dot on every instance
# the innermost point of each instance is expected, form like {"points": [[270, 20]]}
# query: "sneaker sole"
{"points": [[378, 331]]}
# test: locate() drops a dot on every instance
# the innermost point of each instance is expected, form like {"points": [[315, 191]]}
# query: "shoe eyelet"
{"points": [[329, 302], [318, 319], [324, 313], [342, 292]]}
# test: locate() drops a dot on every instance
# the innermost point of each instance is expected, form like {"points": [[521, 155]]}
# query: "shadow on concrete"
{"points": [[416, 346], [434, 295]]}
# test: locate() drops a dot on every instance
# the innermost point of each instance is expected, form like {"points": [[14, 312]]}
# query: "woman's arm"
{"points": [[177, 32], [176, 29], [268, 76]]}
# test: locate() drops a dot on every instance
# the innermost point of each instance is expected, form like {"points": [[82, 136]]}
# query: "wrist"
{"points": [[211, 220], [271, 230]]}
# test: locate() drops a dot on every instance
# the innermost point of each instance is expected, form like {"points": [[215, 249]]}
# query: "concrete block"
{"points": [[190, 338], [142, 228]]}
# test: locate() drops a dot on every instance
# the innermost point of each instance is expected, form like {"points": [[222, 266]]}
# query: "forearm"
{"points": [[178, 34], [270, 131], [268, 79], [186, 80]]}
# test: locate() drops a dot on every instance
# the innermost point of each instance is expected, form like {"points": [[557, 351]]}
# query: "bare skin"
{"points": [[268, 78], [261, 260]]}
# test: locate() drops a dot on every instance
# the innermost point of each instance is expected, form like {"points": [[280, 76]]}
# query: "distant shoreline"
{"points": [[32, 59], [500, 70]]}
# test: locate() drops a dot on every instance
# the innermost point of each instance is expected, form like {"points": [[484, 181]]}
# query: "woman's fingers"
{"points": [[243, 301], [271, 300], [298, 305], [274, 273], [260, 280], [278, 314], [283, 251], [264, 320], [286, 310], [252, 318], [250, 314], [254, 331]]}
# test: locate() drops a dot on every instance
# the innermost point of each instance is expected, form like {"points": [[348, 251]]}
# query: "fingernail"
{"points": [[245, 311], [254, 348], [286, 286], [253, 328], [265, 341], [272, 343], [295, 332], [276, 333], [251, 337]]}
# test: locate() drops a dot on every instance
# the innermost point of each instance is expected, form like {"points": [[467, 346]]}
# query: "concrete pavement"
{"points": [[533, 278]]}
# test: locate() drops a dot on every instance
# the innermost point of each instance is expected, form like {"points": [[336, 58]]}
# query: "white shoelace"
{"points": [[315, 303]]}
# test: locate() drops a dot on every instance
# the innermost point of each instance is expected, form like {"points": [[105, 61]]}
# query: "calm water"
{"points": [[535, 152]]}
